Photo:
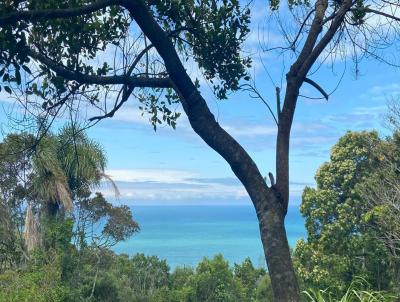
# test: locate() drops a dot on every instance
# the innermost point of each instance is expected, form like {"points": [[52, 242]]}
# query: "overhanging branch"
{"points": [[37, 15], [135, 81], [316, 86], [377, 12]]}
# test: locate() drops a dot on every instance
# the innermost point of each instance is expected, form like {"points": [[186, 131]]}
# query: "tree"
{"points": [[66, 169], [63, 37], [66, 166], [340, 244], [382, 194], [15, 191], [215, 281], [146, 275], [41, 284], [250, 278], [61, 171], [68, 240]]}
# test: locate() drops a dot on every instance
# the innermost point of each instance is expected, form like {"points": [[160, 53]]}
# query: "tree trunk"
{"points": [[277, 254], [269, 205]]}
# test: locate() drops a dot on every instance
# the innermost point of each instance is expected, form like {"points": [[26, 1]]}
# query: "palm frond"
{"points": [[111, 181], [64, 196]]}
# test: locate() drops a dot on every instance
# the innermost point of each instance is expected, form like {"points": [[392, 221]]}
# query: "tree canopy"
{"points": [[342, 242]]}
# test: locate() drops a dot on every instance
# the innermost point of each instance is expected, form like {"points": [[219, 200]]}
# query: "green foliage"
{"points": [[57, 233], [214, 281], [264, 289], [43, 284], [16, 188], [355, 293], [359, 13], [115, 222], [340, 244], [214, 35], [382, 193], [103, 276], [81, 37], [48, 177], [209, 32], [146, 274], [274, 4], [250, 277], [66, 167], [68, 160]]}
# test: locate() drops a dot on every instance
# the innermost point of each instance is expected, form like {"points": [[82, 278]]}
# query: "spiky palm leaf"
{"points": [[82, 159], [50, 181]]}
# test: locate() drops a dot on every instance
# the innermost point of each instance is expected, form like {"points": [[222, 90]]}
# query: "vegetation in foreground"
{"points": [[137, 278], [354, 293], [49, 251]]}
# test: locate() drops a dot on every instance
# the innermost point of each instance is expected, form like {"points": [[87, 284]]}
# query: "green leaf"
{"points": [[8, 89], [18, 76], [26, 68]]}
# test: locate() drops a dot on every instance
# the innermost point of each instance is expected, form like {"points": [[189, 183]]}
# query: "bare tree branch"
{"points": [[377, 12], [316, 86], [125, 96]]}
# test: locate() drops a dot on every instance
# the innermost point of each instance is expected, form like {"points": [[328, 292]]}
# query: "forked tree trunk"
{"points": [[268, 202]]}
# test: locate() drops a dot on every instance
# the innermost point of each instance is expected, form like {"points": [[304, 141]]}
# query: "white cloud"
{"points": [[382, 92], [250, 130], [178, 186], [131, 115], [149, 175], [171, 185]]}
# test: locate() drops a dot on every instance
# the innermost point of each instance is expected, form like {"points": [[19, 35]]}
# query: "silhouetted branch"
{"points": [[316, 86], [135, 81]]}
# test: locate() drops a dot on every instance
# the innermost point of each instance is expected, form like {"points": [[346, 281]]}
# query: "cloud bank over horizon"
{"points": [[180, 187]]}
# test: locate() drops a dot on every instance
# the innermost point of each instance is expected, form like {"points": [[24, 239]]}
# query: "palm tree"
{"points": [[50, 182], [64, 166]]}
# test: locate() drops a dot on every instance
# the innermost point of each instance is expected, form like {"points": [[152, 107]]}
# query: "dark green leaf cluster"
{"points": [[359, 13], [73, 42], [14, 167], [214, 32], [274, 4]]}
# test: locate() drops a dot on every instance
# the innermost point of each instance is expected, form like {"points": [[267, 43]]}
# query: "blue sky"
{"points": [[177, 167]]}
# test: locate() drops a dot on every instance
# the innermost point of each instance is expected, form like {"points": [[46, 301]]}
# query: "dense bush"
{"points": [[138, 278], [42, 284]]}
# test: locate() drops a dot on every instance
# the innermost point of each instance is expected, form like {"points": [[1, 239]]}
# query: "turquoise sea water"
{"points": [[183, 235]]}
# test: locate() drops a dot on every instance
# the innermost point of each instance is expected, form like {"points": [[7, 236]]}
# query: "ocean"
{"points": [[184, 235]]}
